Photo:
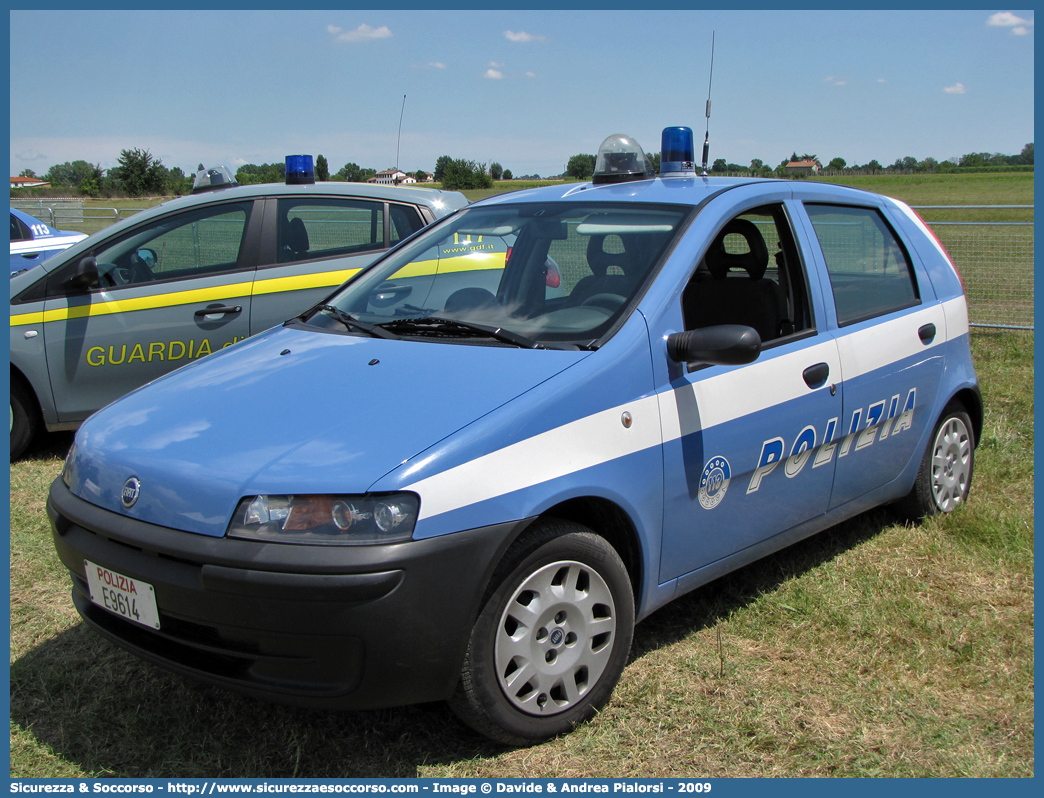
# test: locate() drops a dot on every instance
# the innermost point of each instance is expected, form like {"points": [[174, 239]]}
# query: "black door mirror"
{"points": [[86, 276], [720, 345]]}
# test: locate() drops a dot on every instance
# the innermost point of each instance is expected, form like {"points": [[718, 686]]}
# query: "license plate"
{"points": [[129, 598]]}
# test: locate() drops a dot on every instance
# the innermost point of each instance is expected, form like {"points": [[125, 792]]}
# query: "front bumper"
{"points": [[335, 627]]}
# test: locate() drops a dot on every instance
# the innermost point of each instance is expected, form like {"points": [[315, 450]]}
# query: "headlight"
{"points": [[67, 467], [327, 520]]}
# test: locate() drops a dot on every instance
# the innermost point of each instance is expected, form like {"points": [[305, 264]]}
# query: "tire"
{"points": [[945, 475], [23, 419], [552, 638]]}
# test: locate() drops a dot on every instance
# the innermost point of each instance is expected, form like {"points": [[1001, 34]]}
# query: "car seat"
{"points": [[749, 299]]}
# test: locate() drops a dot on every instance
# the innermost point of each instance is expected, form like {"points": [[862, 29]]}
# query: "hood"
{"points": [[291, 411]]}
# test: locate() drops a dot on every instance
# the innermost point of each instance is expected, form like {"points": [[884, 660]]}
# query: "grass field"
{"points": [[873, 649]]}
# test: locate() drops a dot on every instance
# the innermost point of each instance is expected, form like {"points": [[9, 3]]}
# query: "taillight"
{"points": [[939, 244]]}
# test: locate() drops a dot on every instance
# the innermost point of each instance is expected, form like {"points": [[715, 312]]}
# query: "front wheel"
{"points": [[945, 476], [552, 638], [23, 419]]}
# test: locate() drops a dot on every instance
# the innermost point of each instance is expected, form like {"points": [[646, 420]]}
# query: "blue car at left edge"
{"points": [[33, 241], [467, 473]]}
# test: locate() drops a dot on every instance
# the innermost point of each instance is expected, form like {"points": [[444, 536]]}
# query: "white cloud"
{"points": [[531, 74], [834, 81], [435, 65], [361, 34], [493, 74], [1005, 19], [522, 36], [881, 80], [496, 65], [956, 88]]}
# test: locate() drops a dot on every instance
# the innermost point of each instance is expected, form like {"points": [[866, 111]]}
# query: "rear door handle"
{"points": [[816, 376], [927, 334], [219, 309]]}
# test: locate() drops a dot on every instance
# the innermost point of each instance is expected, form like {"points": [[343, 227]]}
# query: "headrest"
{"points": [[297, 236], [754, 261], [599, 260]]}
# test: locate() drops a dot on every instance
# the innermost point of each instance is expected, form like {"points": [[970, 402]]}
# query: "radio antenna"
{"points": [[399, 137], [706, 135]]}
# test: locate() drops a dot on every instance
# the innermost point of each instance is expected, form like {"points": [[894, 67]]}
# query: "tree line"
{"points": [[581, 166], [138, 173]]}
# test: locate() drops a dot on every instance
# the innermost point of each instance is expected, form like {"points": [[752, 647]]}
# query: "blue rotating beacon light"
{"points": [[677, 153]]}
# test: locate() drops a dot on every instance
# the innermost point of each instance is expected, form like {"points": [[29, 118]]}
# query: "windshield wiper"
{"points": [[351, 323], [440, 326]]}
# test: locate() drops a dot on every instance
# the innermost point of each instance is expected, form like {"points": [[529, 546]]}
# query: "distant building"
{"points": [[29, 182], [391, 177], [803, 167]]}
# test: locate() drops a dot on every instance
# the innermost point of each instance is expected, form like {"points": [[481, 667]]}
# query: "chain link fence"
{"points": [[995, 261]]}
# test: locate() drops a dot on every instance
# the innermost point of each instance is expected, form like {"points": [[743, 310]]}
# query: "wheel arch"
{"points": [[971, 400], [21, 379], [610, 521]]}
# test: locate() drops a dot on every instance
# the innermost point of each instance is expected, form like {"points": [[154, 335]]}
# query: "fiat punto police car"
{"points": [[173, 284], [466, 475], [33, 241]]}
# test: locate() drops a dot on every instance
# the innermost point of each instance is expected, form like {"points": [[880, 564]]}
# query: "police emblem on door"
{"points": [[714, 482]]}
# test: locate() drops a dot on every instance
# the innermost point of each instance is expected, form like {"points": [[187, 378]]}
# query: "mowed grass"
{"points": [[876, 648]]}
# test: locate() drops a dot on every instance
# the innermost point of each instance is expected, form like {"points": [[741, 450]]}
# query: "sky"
{"points": [[526, 89]]}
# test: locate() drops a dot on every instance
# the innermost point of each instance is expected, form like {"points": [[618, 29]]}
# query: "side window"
{"points": [[18, 230], [751, 275], [318, 227], [405, 221], [180, 247], [869, 270]]}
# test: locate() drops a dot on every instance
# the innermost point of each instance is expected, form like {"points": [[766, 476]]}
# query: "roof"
{"points": [[681, 191], [804, 163]]}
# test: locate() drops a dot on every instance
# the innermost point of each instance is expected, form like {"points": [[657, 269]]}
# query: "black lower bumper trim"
{"points": [[345, 627]]}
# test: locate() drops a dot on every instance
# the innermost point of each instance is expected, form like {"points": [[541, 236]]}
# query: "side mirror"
{"points": [[86, 276], [148, 257], [720, 345]]}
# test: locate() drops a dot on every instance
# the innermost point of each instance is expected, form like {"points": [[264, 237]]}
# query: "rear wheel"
{"points": [[945, 476], [552, 638], [23, 418]]}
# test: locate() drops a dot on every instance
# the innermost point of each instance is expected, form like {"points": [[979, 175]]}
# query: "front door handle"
{"points": [[214, 310], [926, 334], [816, 376]]}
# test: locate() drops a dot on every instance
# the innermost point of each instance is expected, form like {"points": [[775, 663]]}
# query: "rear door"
{"points": [[170, 292], [889, 328], [310, 245]]}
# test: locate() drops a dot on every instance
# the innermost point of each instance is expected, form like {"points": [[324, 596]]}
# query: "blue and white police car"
{"points": [[33, 241], [466, 475]]}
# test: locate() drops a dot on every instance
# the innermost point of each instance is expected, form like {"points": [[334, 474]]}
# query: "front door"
{"points": [[169, 293]]}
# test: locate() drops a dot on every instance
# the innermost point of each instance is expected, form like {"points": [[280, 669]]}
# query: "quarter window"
{"points": [[405, 221], [328, 228], [870, 273]]}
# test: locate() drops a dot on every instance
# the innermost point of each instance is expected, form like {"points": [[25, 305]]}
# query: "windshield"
{"points": [[546, 273]]}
